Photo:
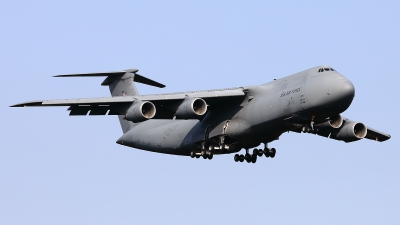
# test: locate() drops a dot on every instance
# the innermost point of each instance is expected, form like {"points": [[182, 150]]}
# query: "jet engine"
{"points": [[333, 122], [191, 108], [351, 132], [140, 111]]}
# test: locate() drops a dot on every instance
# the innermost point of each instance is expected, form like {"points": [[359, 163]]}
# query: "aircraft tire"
{"points": [[272, 152], [192, 154], [197, 156], [236, 158], [266, 152], [260, 152], [254, 158], [247, 157], [241, 158], [210, 156]]}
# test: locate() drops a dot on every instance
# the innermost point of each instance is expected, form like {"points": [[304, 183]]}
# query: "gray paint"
{"points": [[242, 117]]}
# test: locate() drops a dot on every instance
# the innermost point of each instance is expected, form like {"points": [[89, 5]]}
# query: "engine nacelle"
{"points": [[191, 108], [351, 132], [140, 111], [334, 122]]}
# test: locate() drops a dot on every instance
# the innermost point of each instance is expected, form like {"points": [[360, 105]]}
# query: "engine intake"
{"points": [[333, 122], [191, 108], [140, 111], [351, 132]]}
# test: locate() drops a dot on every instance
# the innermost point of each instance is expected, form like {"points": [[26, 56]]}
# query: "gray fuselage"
{"points": [[261, 116]]}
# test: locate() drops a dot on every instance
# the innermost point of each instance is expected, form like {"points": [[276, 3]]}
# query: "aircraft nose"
{"points": [[332, 91], [341, 92]]}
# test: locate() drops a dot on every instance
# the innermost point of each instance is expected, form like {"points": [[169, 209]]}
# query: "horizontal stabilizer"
{"points": [[104, 74], [111, 76]]}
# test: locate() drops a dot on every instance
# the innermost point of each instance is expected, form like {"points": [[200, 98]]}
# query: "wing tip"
{"points": [[25, 104]]}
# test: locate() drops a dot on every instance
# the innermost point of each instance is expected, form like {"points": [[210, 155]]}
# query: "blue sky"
{"points": [[56, 169]]}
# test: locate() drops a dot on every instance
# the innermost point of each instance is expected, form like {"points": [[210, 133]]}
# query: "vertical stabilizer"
{"points": [[123, 85]]}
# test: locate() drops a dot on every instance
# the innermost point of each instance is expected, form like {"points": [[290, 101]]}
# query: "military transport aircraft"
{"points": [[223, 121]]}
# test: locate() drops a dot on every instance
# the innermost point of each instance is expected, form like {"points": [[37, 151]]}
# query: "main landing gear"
{"points": [[252, 158], [205, 154]]}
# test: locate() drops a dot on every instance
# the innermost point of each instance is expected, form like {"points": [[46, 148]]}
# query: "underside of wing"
{"points": [[166, 104], [375, 135], [349, 131], [81, 107]]}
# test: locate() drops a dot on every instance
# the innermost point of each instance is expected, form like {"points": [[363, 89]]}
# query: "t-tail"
{"points": [[121, 83]]}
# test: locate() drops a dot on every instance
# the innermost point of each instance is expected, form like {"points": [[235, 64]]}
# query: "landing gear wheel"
{"points": [[210, 156], [205, 156], [260, 152], [236, 158], [254, 158], [192, 154], [266, 152], [272, 152], [248, 157], [197, 156], [241, 158]]}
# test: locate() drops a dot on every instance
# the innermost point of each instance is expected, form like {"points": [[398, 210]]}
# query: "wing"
{"points": [[375, 135], [166, 104], [372, 134]]}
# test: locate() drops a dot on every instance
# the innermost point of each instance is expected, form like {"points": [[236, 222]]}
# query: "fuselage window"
{"points": [[332, 69], [326, 69]]}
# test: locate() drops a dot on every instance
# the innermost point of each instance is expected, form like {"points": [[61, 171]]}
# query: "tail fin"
{"points": [[121, 83]]}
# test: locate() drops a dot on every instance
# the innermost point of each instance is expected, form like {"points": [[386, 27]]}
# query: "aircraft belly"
{"points": [[163, 136]]}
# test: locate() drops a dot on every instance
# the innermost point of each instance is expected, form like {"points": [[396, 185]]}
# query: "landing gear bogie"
{"points": [[205, 154], [252, 158]]}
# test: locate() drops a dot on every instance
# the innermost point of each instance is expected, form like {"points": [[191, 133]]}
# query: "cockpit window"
{"points": [[325, 69]]}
